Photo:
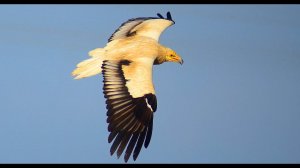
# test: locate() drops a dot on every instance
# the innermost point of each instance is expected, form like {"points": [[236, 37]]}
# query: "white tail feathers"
{"points": [[98, 52], [90, 66]]}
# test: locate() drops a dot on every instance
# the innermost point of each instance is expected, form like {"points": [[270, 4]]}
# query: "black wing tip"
{"points": [[160, 16], [169, 16]]}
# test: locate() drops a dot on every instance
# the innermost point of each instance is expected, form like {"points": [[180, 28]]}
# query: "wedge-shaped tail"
{"points": [[91, 66]]}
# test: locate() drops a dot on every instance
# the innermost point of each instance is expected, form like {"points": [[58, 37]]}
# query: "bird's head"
{"points": [[172, 56]]}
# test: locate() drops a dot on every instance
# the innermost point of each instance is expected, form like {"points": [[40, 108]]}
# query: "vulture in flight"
{"points": [[126, 64]]}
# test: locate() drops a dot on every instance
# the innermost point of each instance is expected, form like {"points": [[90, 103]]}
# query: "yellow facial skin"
{"points": [[172, 56]]}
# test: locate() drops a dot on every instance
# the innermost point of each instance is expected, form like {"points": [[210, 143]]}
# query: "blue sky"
{"points": [[236, 98]]}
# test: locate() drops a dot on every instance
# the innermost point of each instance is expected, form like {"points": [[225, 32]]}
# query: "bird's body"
{"points": [[126, 63]]}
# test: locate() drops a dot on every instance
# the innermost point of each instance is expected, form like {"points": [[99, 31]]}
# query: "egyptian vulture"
{"points": [[126, 63]]}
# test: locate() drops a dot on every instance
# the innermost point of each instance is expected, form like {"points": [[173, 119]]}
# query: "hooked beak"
{"points": [[181, 61], [176, 59]]}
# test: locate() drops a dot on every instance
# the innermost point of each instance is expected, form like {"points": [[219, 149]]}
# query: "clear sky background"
{"points": [[236, 98]]}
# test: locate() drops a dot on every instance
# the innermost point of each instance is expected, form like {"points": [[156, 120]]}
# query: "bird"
{"points": [[126, 64]]}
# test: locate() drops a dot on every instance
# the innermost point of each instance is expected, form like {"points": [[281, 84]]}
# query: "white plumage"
{"points": [[126, 63]]}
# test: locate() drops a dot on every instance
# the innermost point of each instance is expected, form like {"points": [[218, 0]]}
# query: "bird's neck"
{"points": [[161, 57], [159, 60]]}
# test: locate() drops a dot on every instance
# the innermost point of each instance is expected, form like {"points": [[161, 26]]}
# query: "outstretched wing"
{"points": [[143, 26], [130, 104]]}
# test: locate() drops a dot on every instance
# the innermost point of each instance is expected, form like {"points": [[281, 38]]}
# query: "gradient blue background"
{"points": [[236, 99]]}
